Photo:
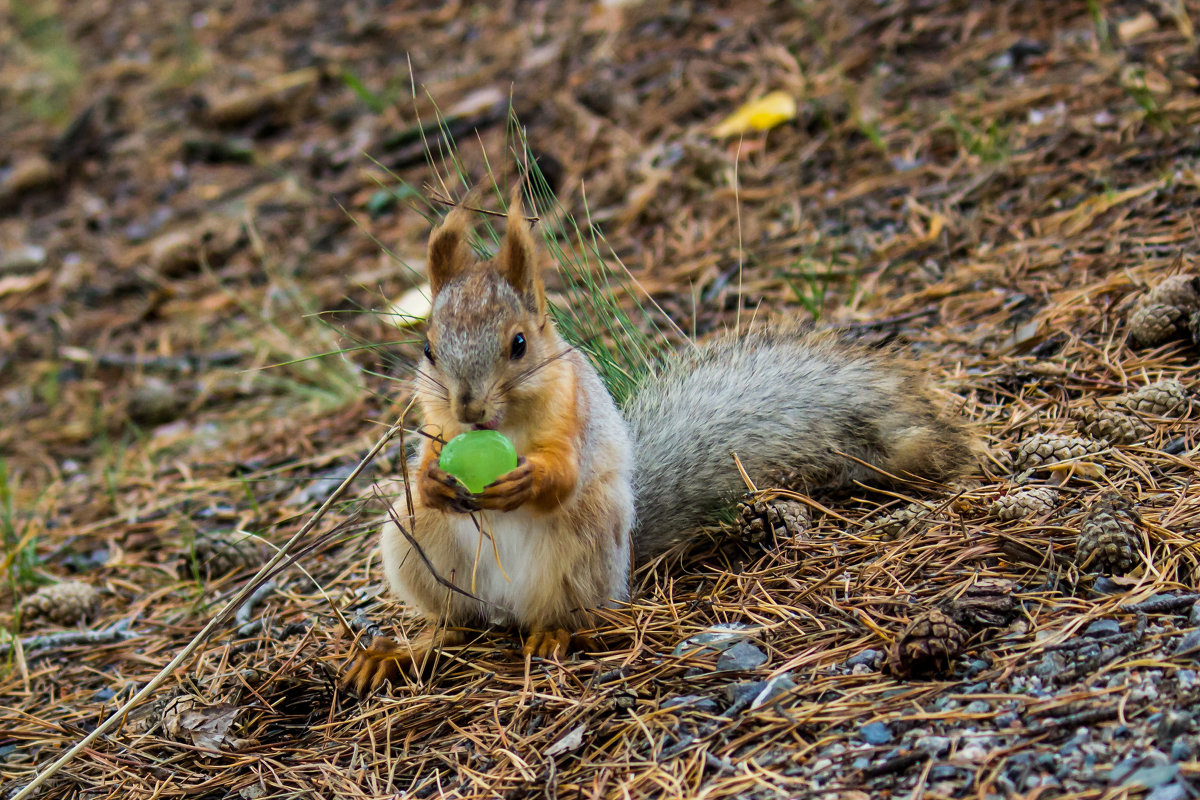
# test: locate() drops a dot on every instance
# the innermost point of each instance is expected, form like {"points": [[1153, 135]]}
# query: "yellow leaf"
{"points": [[758, 115], [412, 308]]}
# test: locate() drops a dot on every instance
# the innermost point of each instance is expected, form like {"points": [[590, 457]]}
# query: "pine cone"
{"points": [[66, 603], [1152, 325], [1110, 425], [988, 603], [1031, 502], [895, 522], [1108, 538], [1180, 291], [1160, 399], [772, 520], [1050, 448], [928, 645], [218, 554]]}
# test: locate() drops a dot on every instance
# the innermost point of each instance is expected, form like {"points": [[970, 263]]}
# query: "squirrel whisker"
{"points": [[520, 378]]}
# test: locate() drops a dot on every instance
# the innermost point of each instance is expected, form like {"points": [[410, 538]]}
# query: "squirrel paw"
{"points": [[547, 643], [385, 660], [442, 491], [510, 491]]}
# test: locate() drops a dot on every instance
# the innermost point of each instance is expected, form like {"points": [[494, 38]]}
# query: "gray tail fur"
{"points": [[796, 409]]}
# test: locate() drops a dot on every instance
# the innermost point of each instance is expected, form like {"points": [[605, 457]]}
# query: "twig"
{"points": [[53, 641]]}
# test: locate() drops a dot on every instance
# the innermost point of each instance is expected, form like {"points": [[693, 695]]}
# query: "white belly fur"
{"points": [[519, 542], [524, 544]]}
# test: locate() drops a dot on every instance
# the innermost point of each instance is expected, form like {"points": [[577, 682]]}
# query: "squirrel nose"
{"points": [[470, 410]]}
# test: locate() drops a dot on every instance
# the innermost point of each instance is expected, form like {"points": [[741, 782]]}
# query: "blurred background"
{"points": [[184, 185]]}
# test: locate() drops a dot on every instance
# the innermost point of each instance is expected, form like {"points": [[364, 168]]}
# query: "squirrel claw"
{"points": [[547, 643], [441, 490], [385, 660], [510, 491], [381, 663]]}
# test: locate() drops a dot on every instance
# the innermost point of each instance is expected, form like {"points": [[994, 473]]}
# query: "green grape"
{"points": [[477, 458]]}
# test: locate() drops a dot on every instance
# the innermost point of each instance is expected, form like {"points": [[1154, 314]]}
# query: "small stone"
{"points": [[875, 733], [1172, 723], [871, 658], [776, 687], [1121, 770], [1152, 777], [690, 702], [27, 175], [977, 707], [1106, 585], [715, 639], [22, 259], [973, 753], [741, 657], [1169, 791], [1006, 720], [1194, 615], [933, 745], [1050, 665], [1181, 749], [1103, 627], [1189, 646]]}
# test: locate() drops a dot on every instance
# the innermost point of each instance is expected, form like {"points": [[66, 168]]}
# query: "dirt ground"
{"points": [[206, 207]]}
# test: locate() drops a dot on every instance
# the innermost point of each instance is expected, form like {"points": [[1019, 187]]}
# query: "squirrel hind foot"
{"points": [[555, 642], [381, 663], [547, 643], [386, 660]]}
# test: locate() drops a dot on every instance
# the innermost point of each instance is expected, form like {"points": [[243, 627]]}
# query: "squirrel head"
{"points": [[489, 331]]}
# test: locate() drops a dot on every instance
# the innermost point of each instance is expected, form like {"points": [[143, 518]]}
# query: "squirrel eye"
{"points": [[428, 353], [518, 347]]}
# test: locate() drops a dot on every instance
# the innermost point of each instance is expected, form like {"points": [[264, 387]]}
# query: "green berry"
{"points": [[477, 458]]}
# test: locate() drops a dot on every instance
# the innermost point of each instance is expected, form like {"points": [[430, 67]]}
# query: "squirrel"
{"points": [[597, 491]]}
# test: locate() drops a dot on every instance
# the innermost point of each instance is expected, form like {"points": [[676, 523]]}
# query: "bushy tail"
{"points": [[797, 409]]}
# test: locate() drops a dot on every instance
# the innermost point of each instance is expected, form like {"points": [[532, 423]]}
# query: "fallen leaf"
{"points": [[1130, 29], [412, 308], [187, 718], [762, 114], [570, 741], [1064, 471]]}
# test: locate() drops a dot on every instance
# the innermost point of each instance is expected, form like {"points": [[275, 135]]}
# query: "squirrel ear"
{"points": [[517, 261], [449, 254]]}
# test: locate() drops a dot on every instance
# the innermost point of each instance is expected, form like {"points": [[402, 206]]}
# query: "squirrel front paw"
{"points": [[510, 491], [442, 491]]}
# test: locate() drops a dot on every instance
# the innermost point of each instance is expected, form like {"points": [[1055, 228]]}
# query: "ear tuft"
{"points": [[449, 253], [517, 261]]}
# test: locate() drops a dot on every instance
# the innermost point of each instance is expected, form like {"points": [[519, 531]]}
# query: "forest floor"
{"points": [[199, 200]]}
